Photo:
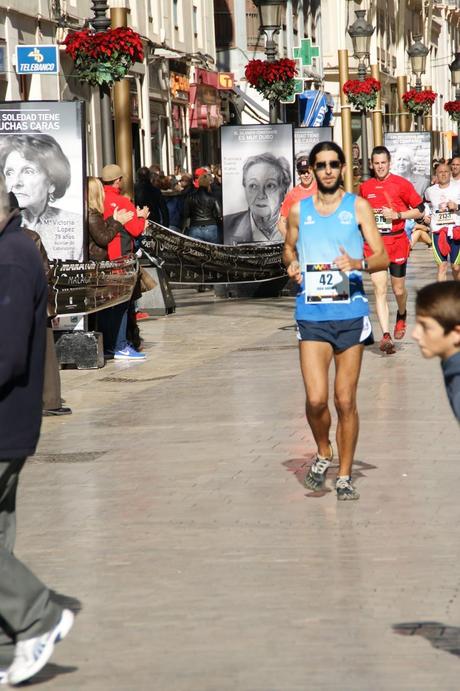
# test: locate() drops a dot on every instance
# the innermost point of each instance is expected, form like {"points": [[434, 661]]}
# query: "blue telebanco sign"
{"points": [[37, 59]]}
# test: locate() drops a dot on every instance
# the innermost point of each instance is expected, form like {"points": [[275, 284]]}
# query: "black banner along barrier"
{"points": [[81, 288], [190, 261], [85, 287]]}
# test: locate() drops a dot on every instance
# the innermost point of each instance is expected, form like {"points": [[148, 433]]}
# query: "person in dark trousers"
{"points": [[437, 332], [145, 194], [30, 622], [203, 212], [216, 185], [52, 400], [216, 191], [115, 319]]}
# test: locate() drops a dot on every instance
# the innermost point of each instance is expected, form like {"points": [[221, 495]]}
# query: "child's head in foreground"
{"points": [[437, 328]]}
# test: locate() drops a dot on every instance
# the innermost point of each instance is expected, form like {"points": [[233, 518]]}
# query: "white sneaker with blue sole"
{"points": [[31, 655]]}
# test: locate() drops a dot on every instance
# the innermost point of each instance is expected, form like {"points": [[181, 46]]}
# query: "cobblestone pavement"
{"points": [[170, 505]]}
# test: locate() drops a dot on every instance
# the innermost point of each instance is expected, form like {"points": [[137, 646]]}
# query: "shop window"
{"points": [[178, 19], [195, 21], [24, 86], [176, 14], [178, 134], [255, 40], [223, 23]]}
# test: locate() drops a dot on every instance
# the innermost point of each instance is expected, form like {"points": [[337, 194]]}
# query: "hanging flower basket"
{"points": [[453, 108], [104, 57], [419, 102], [362, 94], [274, 80]]}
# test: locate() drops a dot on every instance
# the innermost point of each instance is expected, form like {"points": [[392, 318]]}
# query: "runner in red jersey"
{"points": [[394, 200]]}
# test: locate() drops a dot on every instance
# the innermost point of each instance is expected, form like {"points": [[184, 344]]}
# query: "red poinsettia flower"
{"points": [[274, 80], [106, 56], [453, 108], [362, 94], [419, 102]]}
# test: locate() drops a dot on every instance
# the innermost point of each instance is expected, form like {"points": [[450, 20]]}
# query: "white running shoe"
{"points": [[3, 676], [31, 655]]}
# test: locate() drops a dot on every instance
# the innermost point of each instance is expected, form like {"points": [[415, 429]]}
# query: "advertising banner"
{"points": [[257, 172], [42, 157], [305, 138], [315, 108], [186, 260], [411, 157], [80, 288]]}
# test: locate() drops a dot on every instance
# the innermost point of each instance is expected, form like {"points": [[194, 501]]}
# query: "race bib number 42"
{"points": [[326, 283]]}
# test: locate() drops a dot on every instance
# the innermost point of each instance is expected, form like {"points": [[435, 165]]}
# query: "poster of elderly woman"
{"points": [[256, 174], [42, 161], [411, 157]]}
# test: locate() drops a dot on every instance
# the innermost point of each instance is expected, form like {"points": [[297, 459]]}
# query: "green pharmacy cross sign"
{"points": [[298, 89], [305, 54]]}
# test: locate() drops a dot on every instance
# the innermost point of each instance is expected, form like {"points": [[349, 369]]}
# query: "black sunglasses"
{"points": [[302, 171], [322, 165]]}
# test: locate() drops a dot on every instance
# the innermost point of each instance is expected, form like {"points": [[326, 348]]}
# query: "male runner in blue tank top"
{"points": [[323, 252]]}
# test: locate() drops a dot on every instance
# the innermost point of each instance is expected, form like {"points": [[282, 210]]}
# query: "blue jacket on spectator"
{"points": [[451, 372]]}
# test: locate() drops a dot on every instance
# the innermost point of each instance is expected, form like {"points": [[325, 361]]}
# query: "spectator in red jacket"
{"points": [[122, 243], [115, 319]]}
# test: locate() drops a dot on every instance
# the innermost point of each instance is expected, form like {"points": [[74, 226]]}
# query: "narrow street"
{"points": [[170, 506]]}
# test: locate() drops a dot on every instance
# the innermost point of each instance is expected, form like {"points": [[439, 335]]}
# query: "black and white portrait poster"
{"points": [[256, 174], [305, 138], [411, 157], [42, 158]]}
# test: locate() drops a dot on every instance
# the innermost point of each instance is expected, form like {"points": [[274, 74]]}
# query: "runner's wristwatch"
{"points": [[364, 265]]}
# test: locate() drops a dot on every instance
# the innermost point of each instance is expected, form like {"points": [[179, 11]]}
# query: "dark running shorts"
{"points": [[341, 334], [454, 254], [397, 270]]}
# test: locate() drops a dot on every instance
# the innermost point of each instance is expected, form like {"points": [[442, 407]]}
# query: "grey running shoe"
{"points": [[345, 490], [317, 473]]}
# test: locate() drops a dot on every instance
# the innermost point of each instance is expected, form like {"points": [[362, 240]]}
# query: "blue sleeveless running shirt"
{"points": [[317, 246]]}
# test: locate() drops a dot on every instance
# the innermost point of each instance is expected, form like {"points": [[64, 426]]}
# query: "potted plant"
{"points": [[102, 58], [362, 94], [274, 80], [453, 108], [419, 102]]}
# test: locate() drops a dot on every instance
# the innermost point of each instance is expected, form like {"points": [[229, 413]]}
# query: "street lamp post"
{"points": [[417, 54], [100, 22], [454, 68], [270, 25], [360, 33]]}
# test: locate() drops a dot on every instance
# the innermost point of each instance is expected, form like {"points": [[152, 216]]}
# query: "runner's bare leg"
{"points": [[347, 367], [315, 360], [442, 271], [380, 282], [398, 286]]}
